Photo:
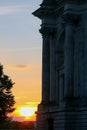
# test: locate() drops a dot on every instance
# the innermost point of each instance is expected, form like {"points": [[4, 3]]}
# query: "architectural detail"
{"points": [[64, 65]]}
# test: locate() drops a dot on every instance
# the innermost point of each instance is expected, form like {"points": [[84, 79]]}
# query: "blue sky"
{"points": [[20, 47], [18, 27]]}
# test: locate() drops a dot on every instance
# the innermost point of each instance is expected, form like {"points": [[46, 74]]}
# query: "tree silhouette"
{"points": [[6, 98]]}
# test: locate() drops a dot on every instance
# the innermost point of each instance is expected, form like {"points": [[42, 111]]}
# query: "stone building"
{"points": [[64, 65]]}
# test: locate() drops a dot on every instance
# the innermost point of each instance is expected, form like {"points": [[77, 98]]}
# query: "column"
{"points": [[84, 65], [52, 67], [78, 59], [59, 62], [69, 57], [45, 66], [57, 74]]}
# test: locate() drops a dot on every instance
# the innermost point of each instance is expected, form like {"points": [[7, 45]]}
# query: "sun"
{"points": [[27, 111]]}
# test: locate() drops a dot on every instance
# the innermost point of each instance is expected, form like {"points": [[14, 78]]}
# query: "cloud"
{"points": [[20, 67], [32, 104], [6, 10], [21, 49]]}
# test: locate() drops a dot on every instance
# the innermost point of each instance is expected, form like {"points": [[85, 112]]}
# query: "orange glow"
{"points": [[27, 111], [27, 89]]}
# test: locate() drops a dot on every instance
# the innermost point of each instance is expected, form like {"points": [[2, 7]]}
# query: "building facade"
{"points": [[64, 65]]}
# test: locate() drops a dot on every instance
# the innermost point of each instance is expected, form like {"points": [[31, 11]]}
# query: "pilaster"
{"points": [[53, 66], [69, 56], [48, 64], [45, 65], [84, 65], [70, 63]]}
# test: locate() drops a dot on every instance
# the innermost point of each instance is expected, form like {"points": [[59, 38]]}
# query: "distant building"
{"points": [[64, 65]]}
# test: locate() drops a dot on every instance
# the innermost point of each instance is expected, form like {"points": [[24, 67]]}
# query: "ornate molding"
{"points": [[47, 9], [70, 1], [43, 12], [48, 2], [48, 31], [56, 8]]}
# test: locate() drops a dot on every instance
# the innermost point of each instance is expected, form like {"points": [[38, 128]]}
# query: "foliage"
{"points": [[16, 125], [26, 125], [6, 98], [6, 124]]}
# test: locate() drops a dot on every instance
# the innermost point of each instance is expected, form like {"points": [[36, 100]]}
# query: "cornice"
{"points": [[59, 2], [43, 12], [48, 2], [47, 9], [56, 8], [78, 2], [75, 8]]}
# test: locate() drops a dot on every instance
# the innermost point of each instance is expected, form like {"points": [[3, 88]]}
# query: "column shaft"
{"points": [[46, 69], [52, 70], [84, 66], [78, 59], [69, 60]]}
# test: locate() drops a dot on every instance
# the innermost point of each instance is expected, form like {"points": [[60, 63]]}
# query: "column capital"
{"points": [[71, 19], [48, 31]]}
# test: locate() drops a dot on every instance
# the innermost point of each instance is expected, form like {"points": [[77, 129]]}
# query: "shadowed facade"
{"points": [[64, 65]]}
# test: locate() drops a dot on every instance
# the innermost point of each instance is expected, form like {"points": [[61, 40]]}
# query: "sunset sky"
{"points": [[20, 50]]}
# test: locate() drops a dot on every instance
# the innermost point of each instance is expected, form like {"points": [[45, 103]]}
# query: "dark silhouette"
{"points": [[50, 123], [16, 125], [6, 98], [6, 124]]}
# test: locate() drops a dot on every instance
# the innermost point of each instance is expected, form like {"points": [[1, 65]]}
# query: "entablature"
{"points": [[55, 8]]}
